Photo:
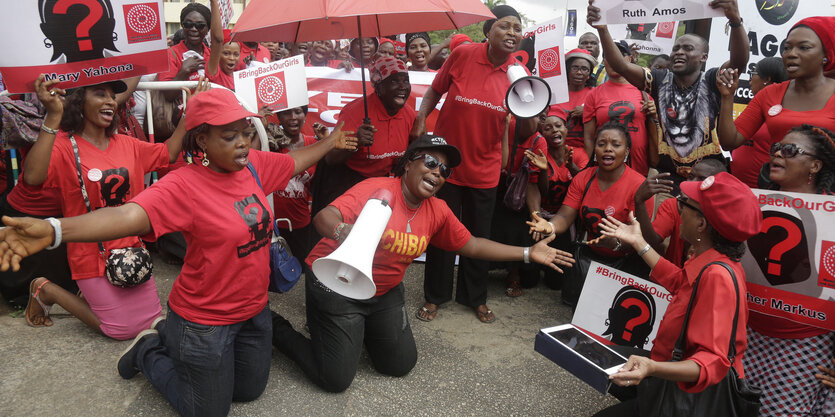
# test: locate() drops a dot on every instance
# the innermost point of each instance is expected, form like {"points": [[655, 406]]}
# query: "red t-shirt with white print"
{"points": [[227, 224], [432, 222]]}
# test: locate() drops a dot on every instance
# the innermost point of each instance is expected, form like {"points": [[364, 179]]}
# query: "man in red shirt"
{"points": [[383, 137]]}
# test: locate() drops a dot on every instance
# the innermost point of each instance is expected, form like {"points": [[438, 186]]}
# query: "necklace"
{"points": [[408, 222]]}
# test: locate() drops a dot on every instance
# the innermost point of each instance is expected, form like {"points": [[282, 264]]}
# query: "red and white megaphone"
{"points": [[528, 95], [347, 271]]}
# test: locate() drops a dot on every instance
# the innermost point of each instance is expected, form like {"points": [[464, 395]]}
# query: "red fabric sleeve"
{"points": [[352, 114], [589, 107], [665, 218], [167, 205], [274, 169], [443, 78], [538, 145], [708, 336], [753, 117], [152, 156], [451, 235], [668, 275]]}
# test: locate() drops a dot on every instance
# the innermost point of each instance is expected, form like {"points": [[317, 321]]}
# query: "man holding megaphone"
{"points": [[339, 325]]}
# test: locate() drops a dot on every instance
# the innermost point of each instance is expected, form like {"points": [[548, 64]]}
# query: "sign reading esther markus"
{"points": [[653, 11], [80, 42]]}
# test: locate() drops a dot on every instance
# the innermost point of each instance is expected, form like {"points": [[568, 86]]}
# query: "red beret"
{"points": [[728, 205], [824, 27]]}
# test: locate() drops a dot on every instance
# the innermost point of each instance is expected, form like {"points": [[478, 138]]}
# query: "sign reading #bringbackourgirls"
{"points": [[279, 85], [653, 11], [621, 307], [80, 42], [549, 53], [790, 265]]}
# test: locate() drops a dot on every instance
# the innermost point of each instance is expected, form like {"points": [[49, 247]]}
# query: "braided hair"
{"points": [[823, 141]]}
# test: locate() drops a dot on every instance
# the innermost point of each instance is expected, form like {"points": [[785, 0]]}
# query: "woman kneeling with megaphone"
{"points": [[340, 326]]}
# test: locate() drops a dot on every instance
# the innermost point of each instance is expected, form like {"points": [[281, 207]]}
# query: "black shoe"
{"points": [[127, 361]]}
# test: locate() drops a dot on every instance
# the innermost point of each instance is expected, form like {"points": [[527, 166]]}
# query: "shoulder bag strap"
{"points": [[579, 222], [678, 350], [81, 184], [258, 180]]}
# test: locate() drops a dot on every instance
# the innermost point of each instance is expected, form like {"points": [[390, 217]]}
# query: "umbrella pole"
{"points": [[366, 120]]}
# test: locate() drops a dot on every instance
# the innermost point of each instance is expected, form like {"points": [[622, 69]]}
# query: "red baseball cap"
{"points": [[216, 107], [728, 205]]}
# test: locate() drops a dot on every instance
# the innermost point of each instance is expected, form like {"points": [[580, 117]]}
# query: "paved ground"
{"points": [[464, 367]]}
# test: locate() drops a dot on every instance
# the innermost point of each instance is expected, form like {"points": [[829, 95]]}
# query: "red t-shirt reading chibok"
{"points": [[122, 165], [390, 140], [227, 223], [473, 116], [617, 201], [433, 223]]}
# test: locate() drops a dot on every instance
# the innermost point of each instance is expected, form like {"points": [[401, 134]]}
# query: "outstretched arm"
{"points": [[739, 48], [430, 100], [729, 137], [653, 185], [26, 236], [307, 156], [217, 40], [632, 72], [541, 253]]}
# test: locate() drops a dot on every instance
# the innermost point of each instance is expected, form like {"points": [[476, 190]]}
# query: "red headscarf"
{"points": [[824, 27]]}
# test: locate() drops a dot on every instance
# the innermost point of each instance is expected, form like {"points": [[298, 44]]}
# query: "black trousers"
{"points": [[474, 207], [339, 326]]}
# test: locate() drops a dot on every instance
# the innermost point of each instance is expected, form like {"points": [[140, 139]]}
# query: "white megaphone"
{"points": [[528, 95], [347, 271]]}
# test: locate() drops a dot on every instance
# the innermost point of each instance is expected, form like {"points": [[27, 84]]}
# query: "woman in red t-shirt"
{"points": [[418, 51], [187, 59], [214, 345], [596, 192], [808, 96], [225, 54], [340, 326], [784, 355], [113, 167], [579, 64]]}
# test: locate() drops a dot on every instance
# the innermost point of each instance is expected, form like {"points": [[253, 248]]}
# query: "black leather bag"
{"points": [[731, 397]]}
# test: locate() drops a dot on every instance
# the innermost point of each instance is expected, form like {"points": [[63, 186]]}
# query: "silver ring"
{"points": [[52, 93], [656, 180], [628, 382]]}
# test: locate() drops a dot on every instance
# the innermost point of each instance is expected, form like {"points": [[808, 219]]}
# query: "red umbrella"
{"points": [[309, 20]]}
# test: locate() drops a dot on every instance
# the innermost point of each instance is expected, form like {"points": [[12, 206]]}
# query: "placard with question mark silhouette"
{"points": [[621, 307], [790, 265], [80, 42]]}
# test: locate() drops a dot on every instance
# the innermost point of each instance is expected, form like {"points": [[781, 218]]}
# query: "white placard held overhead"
{"points": [[653, 11], [550, 57], [279, 85]]}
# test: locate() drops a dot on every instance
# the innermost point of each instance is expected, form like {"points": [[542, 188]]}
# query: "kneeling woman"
{"points": [[340, 326], [214, 346]]}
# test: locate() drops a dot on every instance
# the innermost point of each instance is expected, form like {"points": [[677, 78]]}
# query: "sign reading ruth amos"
{"points": [[653, 11]]}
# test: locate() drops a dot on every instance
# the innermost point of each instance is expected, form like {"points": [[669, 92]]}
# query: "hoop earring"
{"points": [[205, 162]]}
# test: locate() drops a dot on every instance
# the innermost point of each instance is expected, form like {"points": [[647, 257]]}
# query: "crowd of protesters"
{"points": [[633, 170]]}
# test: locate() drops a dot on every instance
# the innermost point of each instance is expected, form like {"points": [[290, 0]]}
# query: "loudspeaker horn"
{"points": [[528, 95], [347, 271]]}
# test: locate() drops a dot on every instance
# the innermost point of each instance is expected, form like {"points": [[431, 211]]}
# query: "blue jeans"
{"points": [[201, 369]]}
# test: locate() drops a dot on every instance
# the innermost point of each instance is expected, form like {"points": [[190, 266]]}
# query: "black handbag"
{"points": [[733, 396], [515, 197], [285, 269], [125, 267]]}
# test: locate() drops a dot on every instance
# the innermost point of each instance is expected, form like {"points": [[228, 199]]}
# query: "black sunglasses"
{"points": [[196, 25], [431, 162], [789, 150], [681, 201]]}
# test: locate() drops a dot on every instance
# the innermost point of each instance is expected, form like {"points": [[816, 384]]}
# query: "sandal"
{"points": [[485, 316], [34, 296], [427, 314], [514, 289]]}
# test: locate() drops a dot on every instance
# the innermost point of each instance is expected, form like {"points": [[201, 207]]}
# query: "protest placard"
{"points": [[653, 11], [621, 307], [278, 85], [790, 265], [651, 38], [331, 89], [549, 53], [80, 42]]}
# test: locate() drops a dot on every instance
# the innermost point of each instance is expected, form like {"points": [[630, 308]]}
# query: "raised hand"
{"points": [[593, 15], [543, 254], [51, 98], [659, 183], [628, 233], [343, 139], [726, 81], [648, 106], [192, 64], [203, 84], [730, 8], [539, 227], [320, 130], [538, 160], [23, 237]]}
